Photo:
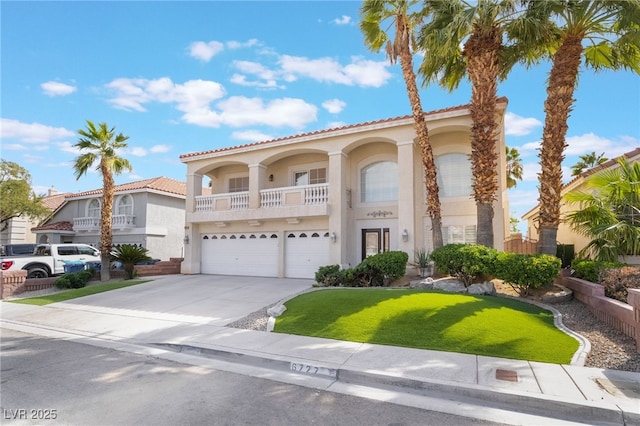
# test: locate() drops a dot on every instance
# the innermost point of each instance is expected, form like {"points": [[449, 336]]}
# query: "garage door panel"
{"points": [[240, 256], [305, 252]]}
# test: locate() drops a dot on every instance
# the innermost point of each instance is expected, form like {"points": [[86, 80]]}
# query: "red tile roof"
{"points": [[161, 184], [319, 132], [52, 202], [55, 226]]}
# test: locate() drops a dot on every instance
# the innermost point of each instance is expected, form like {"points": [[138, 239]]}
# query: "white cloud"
{"points": [[68, 147], [31, 132], [137, 151], [241, 111], [359, 72], [238, 44], [204, 51], [590, 142], [14, 147], [530, 172], [335, 124], [520, 199], [519, 126], [251, 136], [343, 20], [267, 76], [334, 106], [54, 88], [157, 149]]}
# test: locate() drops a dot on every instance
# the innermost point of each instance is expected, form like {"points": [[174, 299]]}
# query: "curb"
{"points": [[589, 412]]}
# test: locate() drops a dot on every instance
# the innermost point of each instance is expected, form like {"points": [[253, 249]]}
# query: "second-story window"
{"points": [[125, 205], [239, 184], [310, 177], [93, 209], [379, 182]]}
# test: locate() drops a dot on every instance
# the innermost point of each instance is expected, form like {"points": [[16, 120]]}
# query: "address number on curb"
{"points": [[312, 369]]}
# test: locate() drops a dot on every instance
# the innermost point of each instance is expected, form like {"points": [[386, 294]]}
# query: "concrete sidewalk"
{"points": [[184, 318]]}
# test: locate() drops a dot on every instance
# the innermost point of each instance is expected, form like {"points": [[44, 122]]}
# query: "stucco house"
{"points": [[150, 213], [565, 234], [284, 207]]}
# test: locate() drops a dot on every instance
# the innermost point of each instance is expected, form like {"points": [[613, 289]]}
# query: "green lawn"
{"points": [[77, 292], [482, 325]]}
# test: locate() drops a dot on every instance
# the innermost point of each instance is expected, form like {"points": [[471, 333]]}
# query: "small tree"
{"points": [[129, 255], [17, 199]]}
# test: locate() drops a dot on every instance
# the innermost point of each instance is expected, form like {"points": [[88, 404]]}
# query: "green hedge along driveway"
{"points": [[481, 325]]}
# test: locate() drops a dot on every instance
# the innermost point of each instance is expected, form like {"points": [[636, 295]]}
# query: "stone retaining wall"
{"points": [[622, 316], [12, 283]]}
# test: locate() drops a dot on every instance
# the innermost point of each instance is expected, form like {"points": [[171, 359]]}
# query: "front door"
{"points": [[374, 241]]}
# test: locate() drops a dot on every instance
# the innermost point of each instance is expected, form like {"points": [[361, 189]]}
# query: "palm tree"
{"points": [[374, 13], [598, 34], [587, 161], [609, 211], [514, 167], [465, 38], [101, 145]]}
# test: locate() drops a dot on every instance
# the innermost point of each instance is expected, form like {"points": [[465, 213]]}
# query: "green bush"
{"points": [[75, 280], [329, 275], [391, 264], [525, 271], [466, 262], [592, 270], [617, 281]]}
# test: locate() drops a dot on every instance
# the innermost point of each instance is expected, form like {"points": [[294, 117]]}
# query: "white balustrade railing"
{"points": [[316, 194], [123, 220], [271, 198], [239, 200], [93, 223]]}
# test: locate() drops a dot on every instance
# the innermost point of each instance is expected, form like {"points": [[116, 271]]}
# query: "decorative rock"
{"points": [[486, 287], [423, 283], [276, 311], [450, 285]]}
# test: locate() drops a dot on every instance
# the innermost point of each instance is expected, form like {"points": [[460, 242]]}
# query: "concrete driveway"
{"points": [[214, 299]]}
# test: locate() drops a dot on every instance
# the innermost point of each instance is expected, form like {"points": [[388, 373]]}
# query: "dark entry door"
{"points": [[374, 241]]}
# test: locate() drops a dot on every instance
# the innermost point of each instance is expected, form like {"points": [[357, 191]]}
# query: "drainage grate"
{"points": [[506, 375]]}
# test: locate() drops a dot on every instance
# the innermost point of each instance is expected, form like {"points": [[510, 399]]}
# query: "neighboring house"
{"points": [[149, 213], [565, 234], [284, 207], [19, 228]]}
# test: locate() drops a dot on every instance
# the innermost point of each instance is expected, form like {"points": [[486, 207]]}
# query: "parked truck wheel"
{"points": [[37, 273]]}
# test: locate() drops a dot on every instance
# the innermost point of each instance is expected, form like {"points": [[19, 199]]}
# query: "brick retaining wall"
{"points": [[622, 316]]}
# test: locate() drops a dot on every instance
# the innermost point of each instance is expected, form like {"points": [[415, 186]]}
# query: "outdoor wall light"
{"points": [[186, 239], [405, 235], [333, 237], [271, 178]]}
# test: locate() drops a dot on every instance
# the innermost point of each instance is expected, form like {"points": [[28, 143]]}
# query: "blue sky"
{"points": [[179, 77]]}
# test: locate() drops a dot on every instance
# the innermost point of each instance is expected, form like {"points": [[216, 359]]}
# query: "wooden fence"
{"points": [[515, 243]]}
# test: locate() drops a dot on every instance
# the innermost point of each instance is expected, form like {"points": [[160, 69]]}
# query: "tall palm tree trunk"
{"points": [[482, 52], [557, 107], [105, 221], [431, 181]]}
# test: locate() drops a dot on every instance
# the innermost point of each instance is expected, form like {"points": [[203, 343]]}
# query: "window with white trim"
{"points": [[310, 177], [93, 208], [454, 175], [125, 205], [379, 182], [459, 234], [239, 184]]}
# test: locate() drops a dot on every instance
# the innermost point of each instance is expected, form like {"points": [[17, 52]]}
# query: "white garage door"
{"points": [[240, 254], [305, 252]]}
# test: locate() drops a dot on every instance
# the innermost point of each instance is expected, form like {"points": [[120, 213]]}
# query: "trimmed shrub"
{"points": [[525, 271], [75, 279], [466, 262], [63, 281], [391, 264], [591, 270], [328, 276], [617, 281]]}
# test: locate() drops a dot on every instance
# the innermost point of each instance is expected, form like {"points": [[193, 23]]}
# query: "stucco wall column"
{"points": [[338, 208], [191, 263], [406, 198], [257, 177]]}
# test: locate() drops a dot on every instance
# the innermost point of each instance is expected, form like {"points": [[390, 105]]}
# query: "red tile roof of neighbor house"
{"points": [[55, 226], [319, 132], [161, 184], [605, 165], [52, 202]]}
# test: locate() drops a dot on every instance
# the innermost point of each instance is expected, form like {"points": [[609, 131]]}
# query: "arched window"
{"points": [[454, 175], [125, 205], [379, 182], [93, 208]]}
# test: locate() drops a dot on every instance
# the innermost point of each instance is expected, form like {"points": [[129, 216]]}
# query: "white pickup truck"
{"points": [[49, 259]]}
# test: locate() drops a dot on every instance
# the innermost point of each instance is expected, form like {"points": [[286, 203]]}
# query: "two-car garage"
{"points": [[298, 254]]}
